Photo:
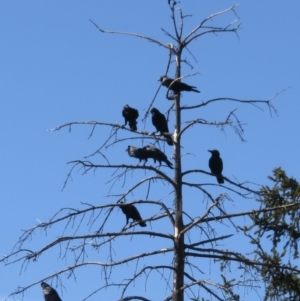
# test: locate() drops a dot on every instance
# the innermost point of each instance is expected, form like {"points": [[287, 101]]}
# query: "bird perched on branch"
{"points": [[160, 122], [130, 115], [176, 86], [50, 294], [136, 152], [215, 164], [157, 155], [131, 212]]}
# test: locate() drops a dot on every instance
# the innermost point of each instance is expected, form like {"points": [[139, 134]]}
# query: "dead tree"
{"points": [[185, 235]]}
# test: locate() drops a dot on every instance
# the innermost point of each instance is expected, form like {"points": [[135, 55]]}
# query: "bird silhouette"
{"points": [[131, 212], [215, 164], [176, 86], [136, 152], [50, 294], [130, 115], [157, 155], [160, 122]]}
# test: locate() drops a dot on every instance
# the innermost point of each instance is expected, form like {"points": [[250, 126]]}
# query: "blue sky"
{"points": [[56, 68]]}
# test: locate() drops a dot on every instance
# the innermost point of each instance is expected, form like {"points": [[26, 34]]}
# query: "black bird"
{"points": [[131, 212], [177, 86], [215, 164], [160, 122], [50, 294], [130, 115], [156, 155], [138, 153]]}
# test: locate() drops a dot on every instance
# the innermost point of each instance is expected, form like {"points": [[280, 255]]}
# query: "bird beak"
{"points": [[210, 151]]}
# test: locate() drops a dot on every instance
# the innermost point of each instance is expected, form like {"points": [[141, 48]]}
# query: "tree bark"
{"points": [[178, 293]]}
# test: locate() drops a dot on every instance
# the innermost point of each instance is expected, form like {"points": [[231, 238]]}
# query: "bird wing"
{"points": [[135, 113], [134, 213], [163, 124], [216, 165]]}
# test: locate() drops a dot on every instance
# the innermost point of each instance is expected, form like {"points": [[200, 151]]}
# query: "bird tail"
{"points": [[168, 139], [169, 163], [220, 179], [142, 224]]}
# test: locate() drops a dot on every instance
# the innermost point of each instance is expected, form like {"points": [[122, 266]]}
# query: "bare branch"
{"points": [[208, 241], [134, 298], [231, 182], [252, 263], [251, 101], [234, 124], [178, 36], [191, 225], [131, 34], [217, 218], [89, 165], [192, 35]]}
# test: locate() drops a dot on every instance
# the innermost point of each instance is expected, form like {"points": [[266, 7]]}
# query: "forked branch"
{"points": [[253, 102], [136, 35]]}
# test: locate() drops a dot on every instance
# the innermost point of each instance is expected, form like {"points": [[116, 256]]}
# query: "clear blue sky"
{"points": [[56, 67]]}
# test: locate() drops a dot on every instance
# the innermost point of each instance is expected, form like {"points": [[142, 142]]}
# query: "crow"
{"points": [[215, 164], [160, 122], [131, 212], [157, 155], [130, 115], [138, 153], [177, 86], [50, 294]]}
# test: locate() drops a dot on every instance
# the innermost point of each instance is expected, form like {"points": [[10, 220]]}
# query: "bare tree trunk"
{"points": [[178, 292]]}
